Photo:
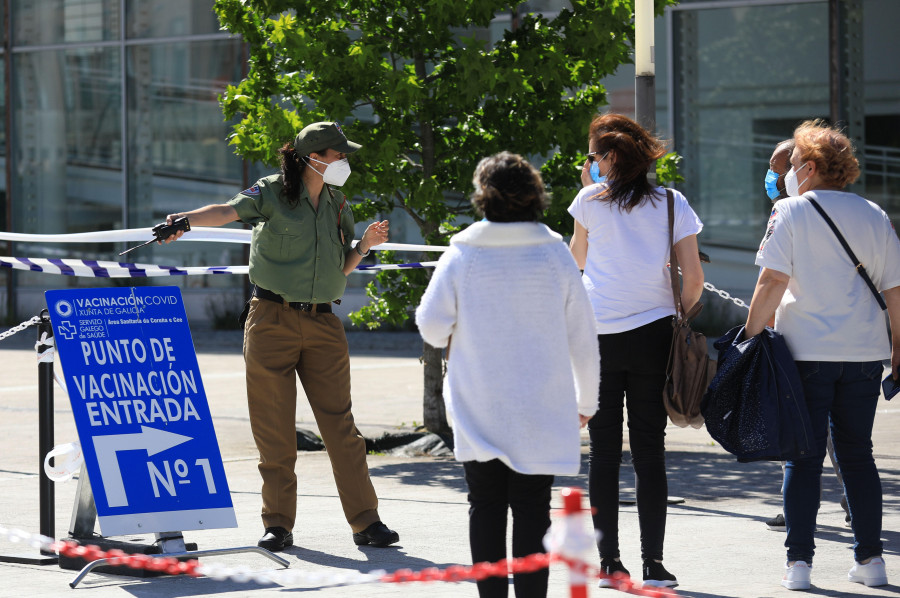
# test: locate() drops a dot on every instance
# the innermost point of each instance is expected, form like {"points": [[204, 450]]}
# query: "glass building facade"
{"points": [[112, 121], [734, 77]]}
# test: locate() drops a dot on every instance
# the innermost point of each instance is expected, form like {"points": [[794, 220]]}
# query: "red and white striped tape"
{"points": [[454, 573]]}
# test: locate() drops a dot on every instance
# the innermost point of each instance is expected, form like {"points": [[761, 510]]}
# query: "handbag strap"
{"points": [[340, 210], [856, 263], [673, 260]]}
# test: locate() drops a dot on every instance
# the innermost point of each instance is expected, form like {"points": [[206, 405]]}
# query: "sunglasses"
{"points": [[593, 156]]}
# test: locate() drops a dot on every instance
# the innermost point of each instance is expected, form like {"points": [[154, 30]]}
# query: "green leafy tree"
{"points": [[428, 87], [667, 169]]}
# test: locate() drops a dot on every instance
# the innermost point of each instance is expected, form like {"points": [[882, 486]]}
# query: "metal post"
{"points": [[46, 500], [11, 299], [45, 424], [846, 84], [645, 101], [84, 513], [645, 71]]}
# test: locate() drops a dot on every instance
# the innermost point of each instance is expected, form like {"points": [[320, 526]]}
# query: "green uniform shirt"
{"points": [[296, 252]]}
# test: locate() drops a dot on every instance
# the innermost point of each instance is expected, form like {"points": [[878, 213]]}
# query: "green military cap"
{"points": [[323, 135]]}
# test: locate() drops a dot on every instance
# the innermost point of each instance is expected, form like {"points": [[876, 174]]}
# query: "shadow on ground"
{"points": [[703, 478]]}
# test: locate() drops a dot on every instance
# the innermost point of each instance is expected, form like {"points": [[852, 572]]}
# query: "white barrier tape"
{"points": [[200, 233], [411, 265], [103, 269], [47, 355], [409, 247], [570, 537], [35, 541], [288, 577], [60, 382], [68, 460]]}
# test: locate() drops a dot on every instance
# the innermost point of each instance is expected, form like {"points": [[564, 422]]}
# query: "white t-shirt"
{"points": [[626, 272], [828, 312]]}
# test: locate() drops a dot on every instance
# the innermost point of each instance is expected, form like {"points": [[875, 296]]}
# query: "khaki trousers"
{"points": [[279, 341]]}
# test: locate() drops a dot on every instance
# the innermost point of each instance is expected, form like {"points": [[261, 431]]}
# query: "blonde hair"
{"points": [[830, 149]]}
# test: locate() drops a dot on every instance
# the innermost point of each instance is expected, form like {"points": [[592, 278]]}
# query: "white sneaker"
{"points": [[871, 574], [796, 576]]}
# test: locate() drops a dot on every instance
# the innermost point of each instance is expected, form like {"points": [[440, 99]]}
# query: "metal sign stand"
{"points": [[171, 544], [136, 346]]}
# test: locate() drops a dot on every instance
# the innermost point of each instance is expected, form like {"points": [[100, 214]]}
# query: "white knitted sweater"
{"points": [[524, 360]]}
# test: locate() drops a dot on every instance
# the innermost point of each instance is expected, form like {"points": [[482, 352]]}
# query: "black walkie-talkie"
{"points": [[162, 231]]}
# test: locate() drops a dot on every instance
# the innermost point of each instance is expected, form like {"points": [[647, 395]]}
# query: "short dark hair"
{"points": [[508, 189], [785, 146]]}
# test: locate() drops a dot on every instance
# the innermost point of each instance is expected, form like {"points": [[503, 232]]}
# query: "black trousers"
{"points": [[494, 489], [632, 371]]}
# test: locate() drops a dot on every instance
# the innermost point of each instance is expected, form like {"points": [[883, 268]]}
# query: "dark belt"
{"points": [[320, 308]]}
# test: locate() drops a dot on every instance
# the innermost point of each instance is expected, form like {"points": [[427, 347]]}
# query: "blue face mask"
{"points": [[772, 189], [595, 173]]}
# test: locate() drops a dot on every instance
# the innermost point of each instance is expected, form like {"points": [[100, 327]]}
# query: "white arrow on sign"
{"points": [[150, 439]]}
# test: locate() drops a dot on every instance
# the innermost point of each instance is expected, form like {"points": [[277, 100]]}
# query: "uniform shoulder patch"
{"points": [[769, 229], [254, 190]]}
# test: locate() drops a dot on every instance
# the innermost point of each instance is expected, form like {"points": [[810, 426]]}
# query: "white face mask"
{"points": [[790, 181], [336, 173]]}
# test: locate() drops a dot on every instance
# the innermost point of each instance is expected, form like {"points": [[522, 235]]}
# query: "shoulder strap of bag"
{"points": [[340, 211], [859, 266], [673, 260]]}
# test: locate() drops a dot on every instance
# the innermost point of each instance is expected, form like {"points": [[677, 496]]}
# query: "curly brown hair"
{"points": [[508, 189], [632, 150], [830, 149]]}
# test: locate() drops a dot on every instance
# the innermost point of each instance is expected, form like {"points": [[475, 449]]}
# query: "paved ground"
{"points": [[716, 544]]}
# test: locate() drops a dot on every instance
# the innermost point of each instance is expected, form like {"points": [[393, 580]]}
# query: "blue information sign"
{"points": [[143, 420]]}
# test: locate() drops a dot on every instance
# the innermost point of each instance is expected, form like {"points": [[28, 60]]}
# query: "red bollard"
{"points": [[577, 576]]}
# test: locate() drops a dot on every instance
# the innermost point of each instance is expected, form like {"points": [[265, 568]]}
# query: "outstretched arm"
{"points": [[211, 215]]}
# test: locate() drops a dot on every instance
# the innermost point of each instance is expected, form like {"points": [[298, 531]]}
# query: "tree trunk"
{"points": [[435, 414]]}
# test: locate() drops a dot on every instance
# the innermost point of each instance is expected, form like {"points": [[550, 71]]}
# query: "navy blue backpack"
{"points": [[754, 406]]}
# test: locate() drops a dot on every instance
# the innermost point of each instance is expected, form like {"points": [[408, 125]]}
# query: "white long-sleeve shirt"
{"points": [[524, 360]]}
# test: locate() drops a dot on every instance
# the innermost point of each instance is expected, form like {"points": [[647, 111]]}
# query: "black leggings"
{"points": [[495, 489], [632, 371]]}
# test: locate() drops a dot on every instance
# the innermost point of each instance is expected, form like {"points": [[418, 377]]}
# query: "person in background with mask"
{"points": [[779, 165], [300, 255], [834, 326]]}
